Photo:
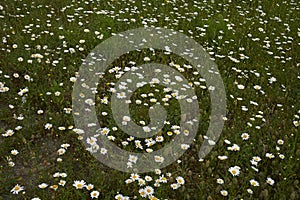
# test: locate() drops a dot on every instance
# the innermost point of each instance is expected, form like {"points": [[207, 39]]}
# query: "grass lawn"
{"points": [[255, 45]]}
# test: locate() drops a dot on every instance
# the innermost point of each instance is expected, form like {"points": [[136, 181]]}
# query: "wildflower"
{"points": [[8, 133], [133, 158], [64, 175], [281, 156], [79, 184], [54, 187], [68, 110], [57, 93], [89, 102], [235, 171], [175, 186], [256, 158], [62, 182], [222, 157], [148, 178], [48, 126], [91, 140], [245, 136], [250, 191], [180, 180], [220, 181], [134, 176], [119, 197], [270, 155], [270, 181], [146, 59], [121, 95], [254, 182], [254, 168], [11, 164], [61, 128], [227, 141], [17, 189], [43, 185], [127, 181], [14, 152], [159, 159], [103, 151], [149, 190], [257, 87], [105, 131], [23, 91], [73, 79], [146, 129], [185, 146], [142, 193], [224, 193], [241, 87], [159, 139], [94, 194], [61, 151], [66, 145], [112, 138], [163, 179], [157, 171], [141, 182], [280, 142], [235, 147]]}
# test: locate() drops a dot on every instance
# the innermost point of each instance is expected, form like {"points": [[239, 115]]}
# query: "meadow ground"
{"points": [[255, 45]]}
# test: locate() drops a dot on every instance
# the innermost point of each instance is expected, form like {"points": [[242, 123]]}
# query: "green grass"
{"points": [[223, 28]]}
